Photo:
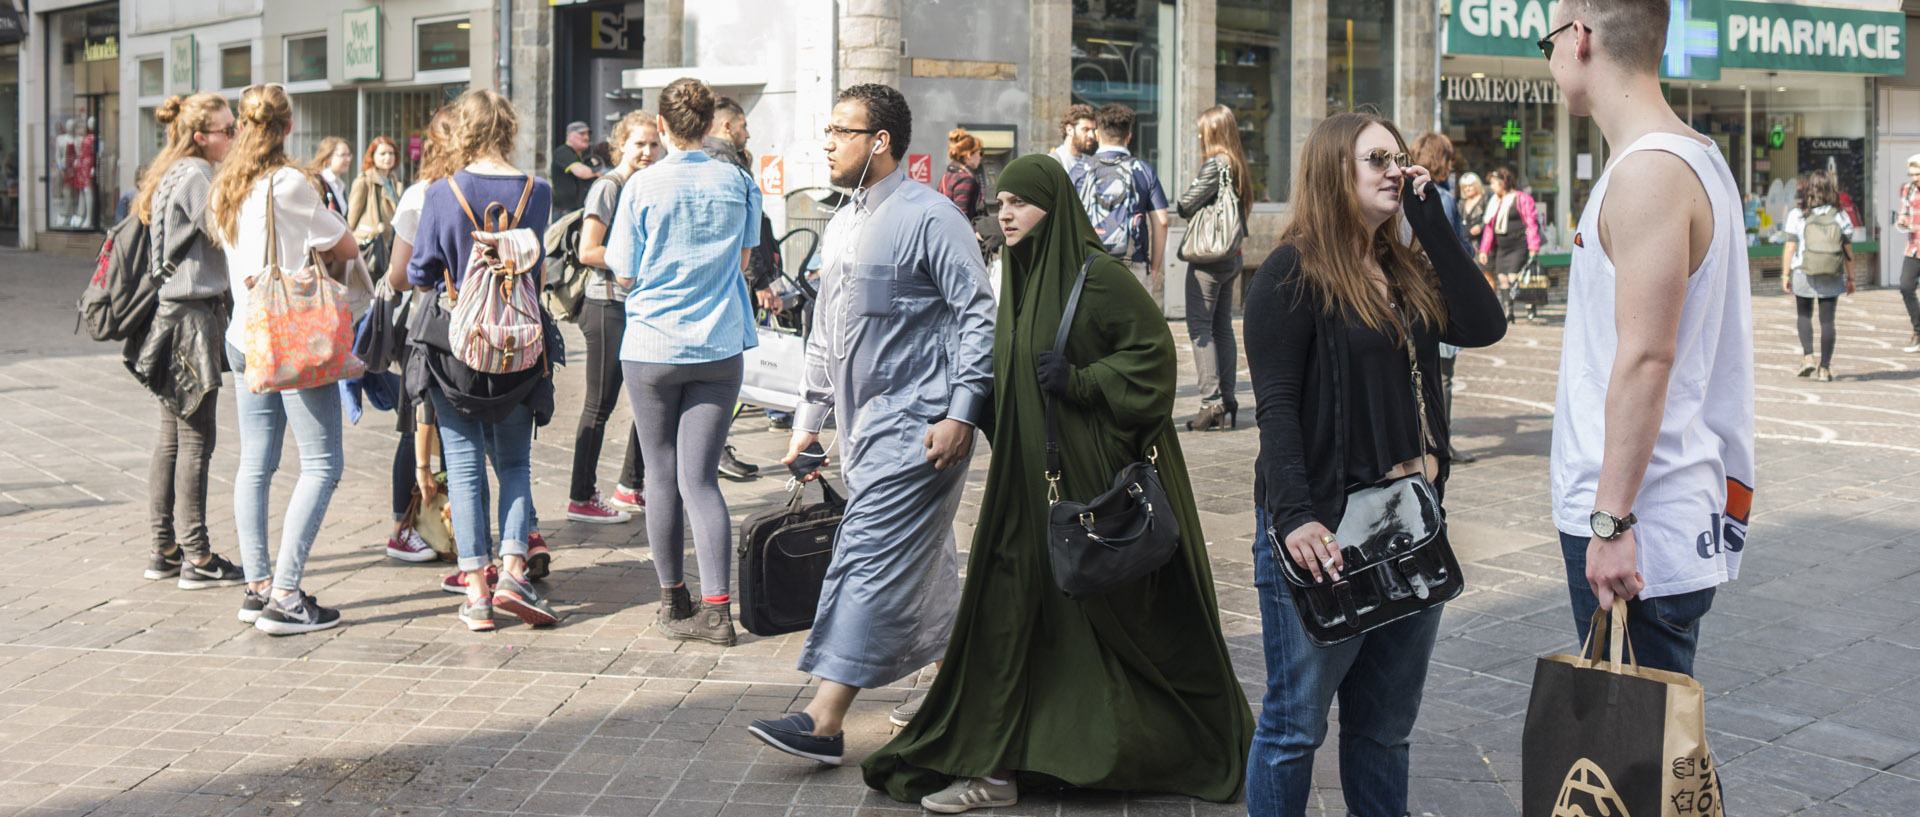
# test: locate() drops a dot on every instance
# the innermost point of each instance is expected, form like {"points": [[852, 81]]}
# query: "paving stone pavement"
{"points": [[123, 696]]}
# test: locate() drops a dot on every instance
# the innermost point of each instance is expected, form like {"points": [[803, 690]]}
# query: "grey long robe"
{"points": [[903, 337]]}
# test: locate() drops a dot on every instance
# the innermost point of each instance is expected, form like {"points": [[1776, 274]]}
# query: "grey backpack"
{"points": [[1825, 246]]}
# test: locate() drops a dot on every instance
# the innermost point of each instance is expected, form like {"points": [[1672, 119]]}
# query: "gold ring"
{"points": [[1326, 540]]}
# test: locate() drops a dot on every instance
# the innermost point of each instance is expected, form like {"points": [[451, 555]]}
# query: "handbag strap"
{"points": [[1419, 392], [1053, 408], [273, 236]]}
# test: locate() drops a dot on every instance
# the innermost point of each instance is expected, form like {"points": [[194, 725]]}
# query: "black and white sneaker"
{"points": [[251, 606], [164, 565], [732, 468], [217, 572], [305, 615]]}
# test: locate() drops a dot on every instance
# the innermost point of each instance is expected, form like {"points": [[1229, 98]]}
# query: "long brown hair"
{"points": [[265, 117], [1821, 191], [183, 117], [1326, 230], [1220, 136], [366, 163], [438, 159]]}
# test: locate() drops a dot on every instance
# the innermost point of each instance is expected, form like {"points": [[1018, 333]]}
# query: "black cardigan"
{"points": [[1297, 363]]}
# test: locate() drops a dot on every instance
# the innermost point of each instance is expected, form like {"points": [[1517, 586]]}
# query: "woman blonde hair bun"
{"points": [[961, 144]]}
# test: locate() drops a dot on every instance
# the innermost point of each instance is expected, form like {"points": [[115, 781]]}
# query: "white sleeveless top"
{"points": [[1694, 503]]}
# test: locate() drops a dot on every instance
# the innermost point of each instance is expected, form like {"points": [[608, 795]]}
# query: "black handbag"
{"points": [[1396, 557], [784, 553], [1128, 532]]}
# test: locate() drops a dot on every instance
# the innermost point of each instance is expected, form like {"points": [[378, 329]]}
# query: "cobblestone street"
{"points": [[124, 696]]}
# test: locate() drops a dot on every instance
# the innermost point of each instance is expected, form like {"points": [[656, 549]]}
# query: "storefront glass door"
{"points": [[83, 122]]}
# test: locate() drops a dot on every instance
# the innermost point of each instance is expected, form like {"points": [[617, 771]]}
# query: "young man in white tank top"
{"points": [[1653, 425]]}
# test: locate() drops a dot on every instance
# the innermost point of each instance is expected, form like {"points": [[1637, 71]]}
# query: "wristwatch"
{"points": [[1608, 526]]}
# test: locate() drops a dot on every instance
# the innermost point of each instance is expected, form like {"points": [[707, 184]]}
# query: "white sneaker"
{"points": [[967, 794], [1913, 344]]}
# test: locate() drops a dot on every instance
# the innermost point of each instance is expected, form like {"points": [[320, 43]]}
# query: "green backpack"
{"points": [[1824, 250]]}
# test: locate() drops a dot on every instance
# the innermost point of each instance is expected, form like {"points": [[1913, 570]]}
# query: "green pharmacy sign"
{"points": [[1705, 36]]}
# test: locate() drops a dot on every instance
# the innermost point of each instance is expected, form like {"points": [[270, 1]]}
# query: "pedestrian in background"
{"points": [[1511, 236], [1434, 151], [1652, 460], [904, 360], [1210, 286], [961, 182], [1472, 205], [180, 360], [727, 141], [1124, 200], [1077, 142], [1909, 221], [330, 164], [681, 238], [574, 168], [603, 320], [1819, 257], [481, 416], [1331, 318], [371, 202], [241, 206], [1132, 690], [411, 472]]}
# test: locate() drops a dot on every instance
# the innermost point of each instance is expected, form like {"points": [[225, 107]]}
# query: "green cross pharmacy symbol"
{"points": [[1510, 135]]}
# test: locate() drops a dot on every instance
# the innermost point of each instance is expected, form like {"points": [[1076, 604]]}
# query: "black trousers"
{"points": [[1910, 290], [1803, 309], [605, 324], [177, 477]]}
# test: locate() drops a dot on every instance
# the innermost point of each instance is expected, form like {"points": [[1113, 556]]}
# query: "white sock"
{"points": [[994, 781]]}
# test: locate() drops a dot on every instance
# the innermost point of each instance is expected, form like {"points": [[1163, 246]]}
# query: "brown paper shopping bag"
{"points": [[1608, 738]]}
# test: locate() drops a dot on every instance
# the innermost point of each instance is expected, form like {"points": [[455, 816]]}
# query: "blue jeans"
{"points": [[467, 445], [1378, 676], [1665, 631], [314, 416]]}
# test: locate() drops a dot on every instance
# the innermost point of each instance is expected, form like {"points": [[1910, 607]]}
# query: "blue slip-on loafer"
{"points": [[794, 735]]}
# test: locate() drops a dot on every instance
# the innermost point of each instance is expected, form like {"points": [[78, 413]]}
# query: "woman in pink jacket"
{"points": [[1509, 213]]}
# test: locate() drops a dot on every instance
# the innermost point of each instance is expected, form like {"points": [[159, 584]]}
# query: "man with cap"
{"points": [[574, 169]]}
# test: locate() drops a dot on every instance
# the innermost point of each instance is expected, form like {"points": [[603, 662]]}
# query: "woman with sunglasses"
{"points": [[1330, 318], [180, 360]]}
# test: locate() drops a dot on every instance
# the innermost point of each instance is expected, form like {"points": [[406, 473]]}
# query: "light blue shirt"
{"points": [[677, 234]]}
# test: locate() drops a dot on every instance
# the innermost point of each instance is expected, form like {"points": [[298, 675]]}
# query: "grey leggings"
{"points": [[684, 409]]}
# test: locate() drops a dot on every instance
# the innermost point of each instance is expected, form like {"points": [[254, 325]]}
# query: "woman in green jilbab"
{"points": [[1129, 691]]}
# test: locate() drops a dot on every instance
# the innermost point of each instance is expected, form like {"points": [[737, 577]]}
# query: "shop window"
{"points": [[1116, 53], [442, 45], [9, 148], [1252, 75], [306, 58], [153, 77], [1360, 55], [83, 123], [236, 66], [317, 116]]}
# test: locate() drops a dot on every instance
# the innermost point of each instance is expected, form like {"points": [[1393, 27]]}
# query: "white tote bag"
{"points": [[774, 370]]}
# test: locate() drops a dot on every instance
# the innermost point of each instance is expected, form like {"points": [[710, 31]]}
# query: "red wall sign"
{"points": [[920, 167], [773, 175]]}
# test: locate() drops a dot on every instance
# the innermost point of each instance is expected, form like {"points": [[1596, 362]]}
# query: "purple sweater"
{"points": [[445, 236]]}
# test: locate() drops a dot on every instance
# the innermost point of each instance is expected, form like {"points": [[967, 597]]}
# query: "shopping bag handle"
{"points": [[1617, 643]]}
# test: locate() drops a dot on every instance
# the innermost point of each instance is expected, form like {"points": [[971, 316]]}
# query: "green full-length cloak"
{"points": [[1130, 691]]}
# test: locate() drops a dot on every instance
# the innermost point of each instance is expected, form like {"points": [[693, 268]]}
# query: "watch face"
{"points": [[1603, 524]]}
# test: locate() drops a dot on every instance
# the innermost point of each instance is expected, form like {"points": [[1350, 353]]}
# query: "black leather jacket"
{"points": [[183, 353]]}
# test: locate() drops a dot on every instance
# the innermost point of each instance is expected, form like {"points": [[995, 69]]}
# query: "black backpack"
{"points": [[120, 300], [566, 278]]}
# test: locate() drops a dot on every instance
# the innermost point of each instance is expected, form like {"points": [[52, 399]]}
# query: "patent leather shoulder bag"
{"points": [[1396, 558], [1119, 536]]}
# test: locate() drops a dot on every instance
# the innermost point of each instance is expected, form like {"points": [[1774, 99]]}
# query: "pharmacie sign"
{"points": [[1705, 36]]}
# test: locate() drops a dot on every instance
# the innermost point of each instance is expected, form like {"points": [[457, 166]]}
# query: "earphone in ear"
{"points": [[877, 146]]}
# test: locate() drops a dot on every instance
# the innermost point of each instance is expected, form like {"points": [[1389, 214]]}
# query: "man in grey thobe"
{"points": [[902, 348]]}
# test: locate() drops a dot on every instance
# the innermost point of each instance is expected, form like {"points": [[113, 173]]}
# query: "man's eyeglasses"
{"points": [[227, 131], [1380, 159], [835, 133], [1546, 43]]}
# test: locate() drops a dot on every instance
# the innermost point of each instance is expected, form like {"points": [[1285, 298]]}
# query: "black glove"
{"points": [[1053, 372]]}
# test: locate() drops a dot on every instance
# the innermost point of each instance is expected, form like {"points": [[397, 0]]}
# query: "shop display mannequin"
{"points": [[80, 177], [63, 153]]}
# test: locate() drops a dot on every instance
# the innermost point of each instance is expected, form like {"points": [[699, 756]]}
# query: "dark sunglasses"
{"points": [[227, 131], [1380, 159], [1546, 43]]}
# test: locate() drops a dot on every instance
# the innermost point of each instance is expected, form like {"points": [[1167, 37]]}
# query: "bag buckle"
{"points": [[1086, 521], [1053, 487], [1410, 571]]}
